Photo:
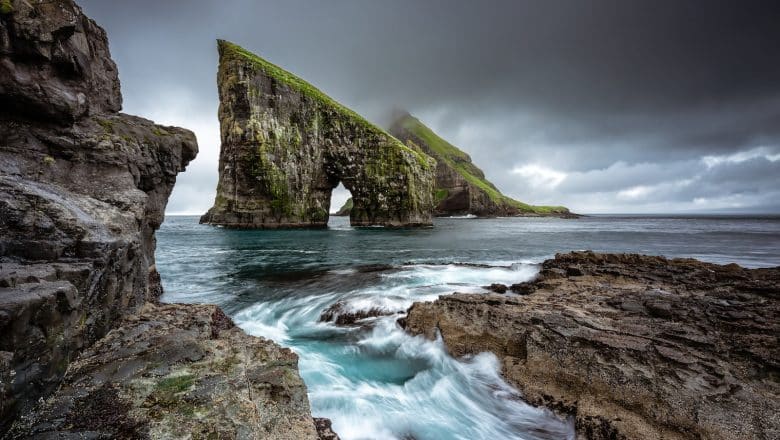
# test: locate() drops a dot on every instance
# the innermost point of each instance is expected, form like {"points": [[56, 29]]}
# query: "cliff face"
{"points": [[56, 65], [461, 187], [634, 347], [82, 190], [286, 145]]}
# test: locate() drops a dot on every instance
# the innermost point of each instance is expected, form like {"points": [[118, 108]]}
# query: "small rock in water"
{"points": [[497, 287], [325, 429], [339, 315]]}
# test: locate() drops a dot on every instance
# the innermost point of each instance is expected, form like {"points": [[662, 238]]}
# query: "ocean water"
{"points": [[376, 382]]}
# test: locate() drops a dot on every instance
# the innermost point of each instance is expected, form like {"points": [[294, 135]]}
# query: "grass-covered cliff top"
{"points": [[461, 162], [228, 51]]}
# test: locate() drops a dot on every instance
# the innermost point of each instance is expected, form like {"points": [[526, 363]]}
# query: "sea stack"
{"points": [[286, 145]]}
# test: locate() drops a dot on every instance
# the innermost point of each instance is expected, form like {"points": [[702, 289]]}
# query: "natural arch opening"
{"points": [[286, 146], [340, 203]]}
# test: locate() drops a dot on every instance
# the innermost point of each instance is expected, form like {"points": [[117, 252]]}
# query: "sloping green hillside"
{"points": [[454, 157]]}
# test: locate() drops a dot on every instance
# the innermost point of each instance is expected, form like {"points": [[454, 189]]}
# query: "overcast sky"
{"points": [[603, 106]]}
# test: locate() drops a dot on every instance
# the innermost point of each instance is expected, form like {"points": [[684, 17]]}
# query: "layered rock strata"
{"points": [[634, 347], [286, 145], [82, 190], [461, 187], [178, 371]]}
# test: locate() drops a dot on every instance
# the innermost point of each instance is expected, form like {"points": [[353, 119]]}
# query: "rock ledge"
{"points": [[635, 347], [177, 371]]}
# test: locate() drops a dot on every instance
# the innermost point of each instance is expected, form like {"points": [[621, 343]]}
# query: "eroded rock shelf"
{"points": [[634, 347]]}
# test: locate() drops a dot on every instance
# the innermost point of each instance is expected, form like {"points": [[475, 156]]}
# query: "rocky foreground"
{"points": [[634, 347], [84, 350], [177, 371]]}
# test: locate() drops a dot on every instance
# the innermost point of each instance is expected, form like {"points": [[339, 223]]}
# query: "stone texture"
{"points": [[461, 187], [635, 347], [178, 371], [341, 315], [82, 190], [286, 145], [54, 63]]}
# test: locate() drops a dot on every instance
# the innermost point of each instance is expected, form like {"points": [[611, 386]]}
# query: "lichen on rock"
{"points": [[286, 145], [177, 371]]}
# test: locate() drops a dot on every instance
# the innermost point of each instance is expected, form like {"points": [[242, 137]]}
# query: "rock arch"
{"points": [[286, 146]]}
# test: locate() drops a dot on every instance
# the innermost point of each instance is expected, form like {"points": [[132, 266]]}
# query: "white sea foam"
{"points": [[385, 384]]}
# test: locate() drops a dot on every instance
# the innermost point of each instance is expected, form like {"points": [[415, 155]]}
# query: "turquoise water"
{"points": [[374, 381]]}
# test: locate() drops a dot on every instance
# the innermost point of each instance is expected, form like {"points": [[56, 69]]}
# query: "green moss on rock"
{"points": [[6, 7], [286, 144]]}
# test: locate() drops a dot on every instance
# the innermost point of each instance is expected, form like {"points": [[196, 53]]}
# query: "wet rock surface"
{"points": [[633, 346], [178, 371], [286, 145], [324, 429], [341, 315]]}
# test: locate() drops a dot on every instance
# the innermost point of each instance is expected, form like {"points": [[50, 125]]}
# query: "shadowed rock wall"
{"points": [[82, 190]]}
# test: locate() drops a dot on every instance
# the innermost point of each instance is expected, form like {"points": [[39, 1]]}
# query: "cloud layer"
{"points": [[606, 106]]}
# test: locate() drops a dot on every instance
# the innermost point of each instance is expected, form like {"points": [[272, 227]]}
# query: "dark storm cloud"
{"points": [[603, 105]]}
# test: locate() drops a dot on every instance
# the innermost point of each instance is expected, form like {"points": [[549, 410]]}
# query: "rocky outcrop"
{"points": [[82, 190], [635, 347], [342, 315], [178, 371], [461, 187], [55, 63], [286, 145]]}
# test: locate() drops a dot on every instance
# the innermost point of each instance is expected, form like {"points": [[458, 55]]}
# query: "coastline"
{"points": [[630, 346]]}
